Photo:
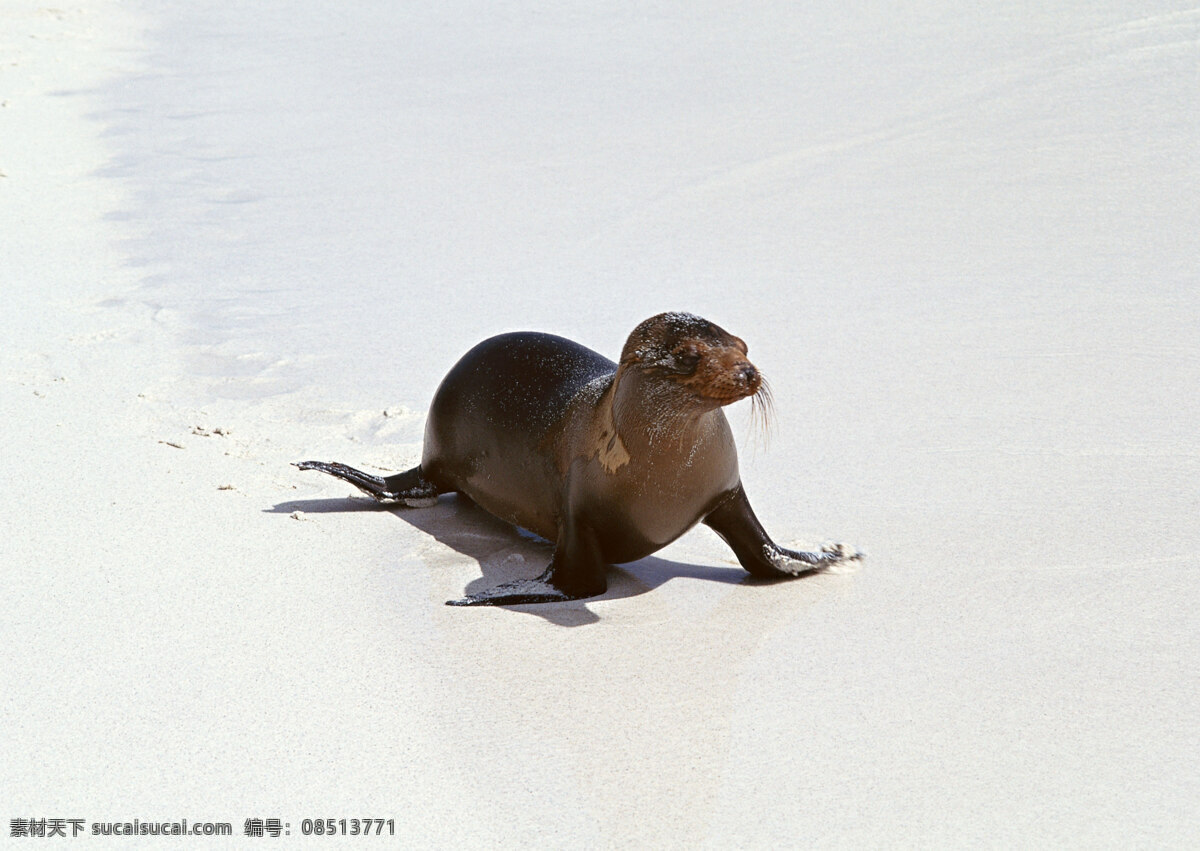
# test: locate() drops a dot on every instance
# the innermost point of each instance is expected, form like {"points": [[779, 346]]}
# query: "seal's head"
{"points": [[702, 360]]}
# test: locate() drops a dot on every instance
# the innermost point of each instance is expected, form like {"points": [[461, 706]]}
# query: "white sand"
{"points": [[963, 247]]}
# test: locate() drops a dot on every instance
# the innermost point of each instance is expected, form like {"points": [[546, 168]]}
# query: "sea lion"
{"points": [[609, 461]]}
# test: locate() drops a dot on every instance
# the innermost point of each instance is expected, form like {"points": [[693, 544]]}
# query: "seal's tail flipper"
{"points": [[408, 487]]}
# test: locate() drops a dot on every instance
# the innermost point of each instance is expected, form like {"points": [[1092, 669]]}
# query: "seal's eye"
{"points": [[687, 357]]}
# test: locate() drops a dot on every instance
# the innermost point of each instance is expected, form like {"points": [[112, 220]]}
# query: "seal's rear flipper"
{"points": [[408, 487]]}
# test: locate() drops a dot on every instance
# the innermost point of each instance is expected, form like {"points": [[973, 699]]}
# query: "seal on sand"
{"points": [[609, 461]]}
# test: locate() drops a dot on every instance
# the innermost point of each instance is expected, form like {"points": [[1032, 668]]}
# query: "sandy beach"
{"points": [[962, 247]]}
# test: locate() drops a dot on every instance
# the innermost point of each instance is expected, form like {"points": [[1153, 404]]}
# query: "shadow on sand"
{"points": [[505, 553]]}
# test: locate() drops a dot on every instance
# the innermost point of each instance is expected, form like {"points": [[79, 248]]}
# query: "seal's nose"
{"points": [[748, 374]]}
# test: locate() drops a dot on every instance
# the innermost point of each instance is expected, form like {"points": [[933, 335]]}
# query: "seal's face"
{"points": [[695, 355]]}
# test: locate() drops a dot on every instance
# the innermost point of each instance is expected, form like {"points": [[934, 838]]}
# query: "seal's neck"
{"points": [[646, 408]]}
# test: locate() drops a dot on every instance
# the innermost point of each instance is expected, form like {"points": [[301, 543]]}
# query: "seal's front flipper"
{"points": [[408, 487], [540, 590], [576, 572], [734, 521], [793, 563]]}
